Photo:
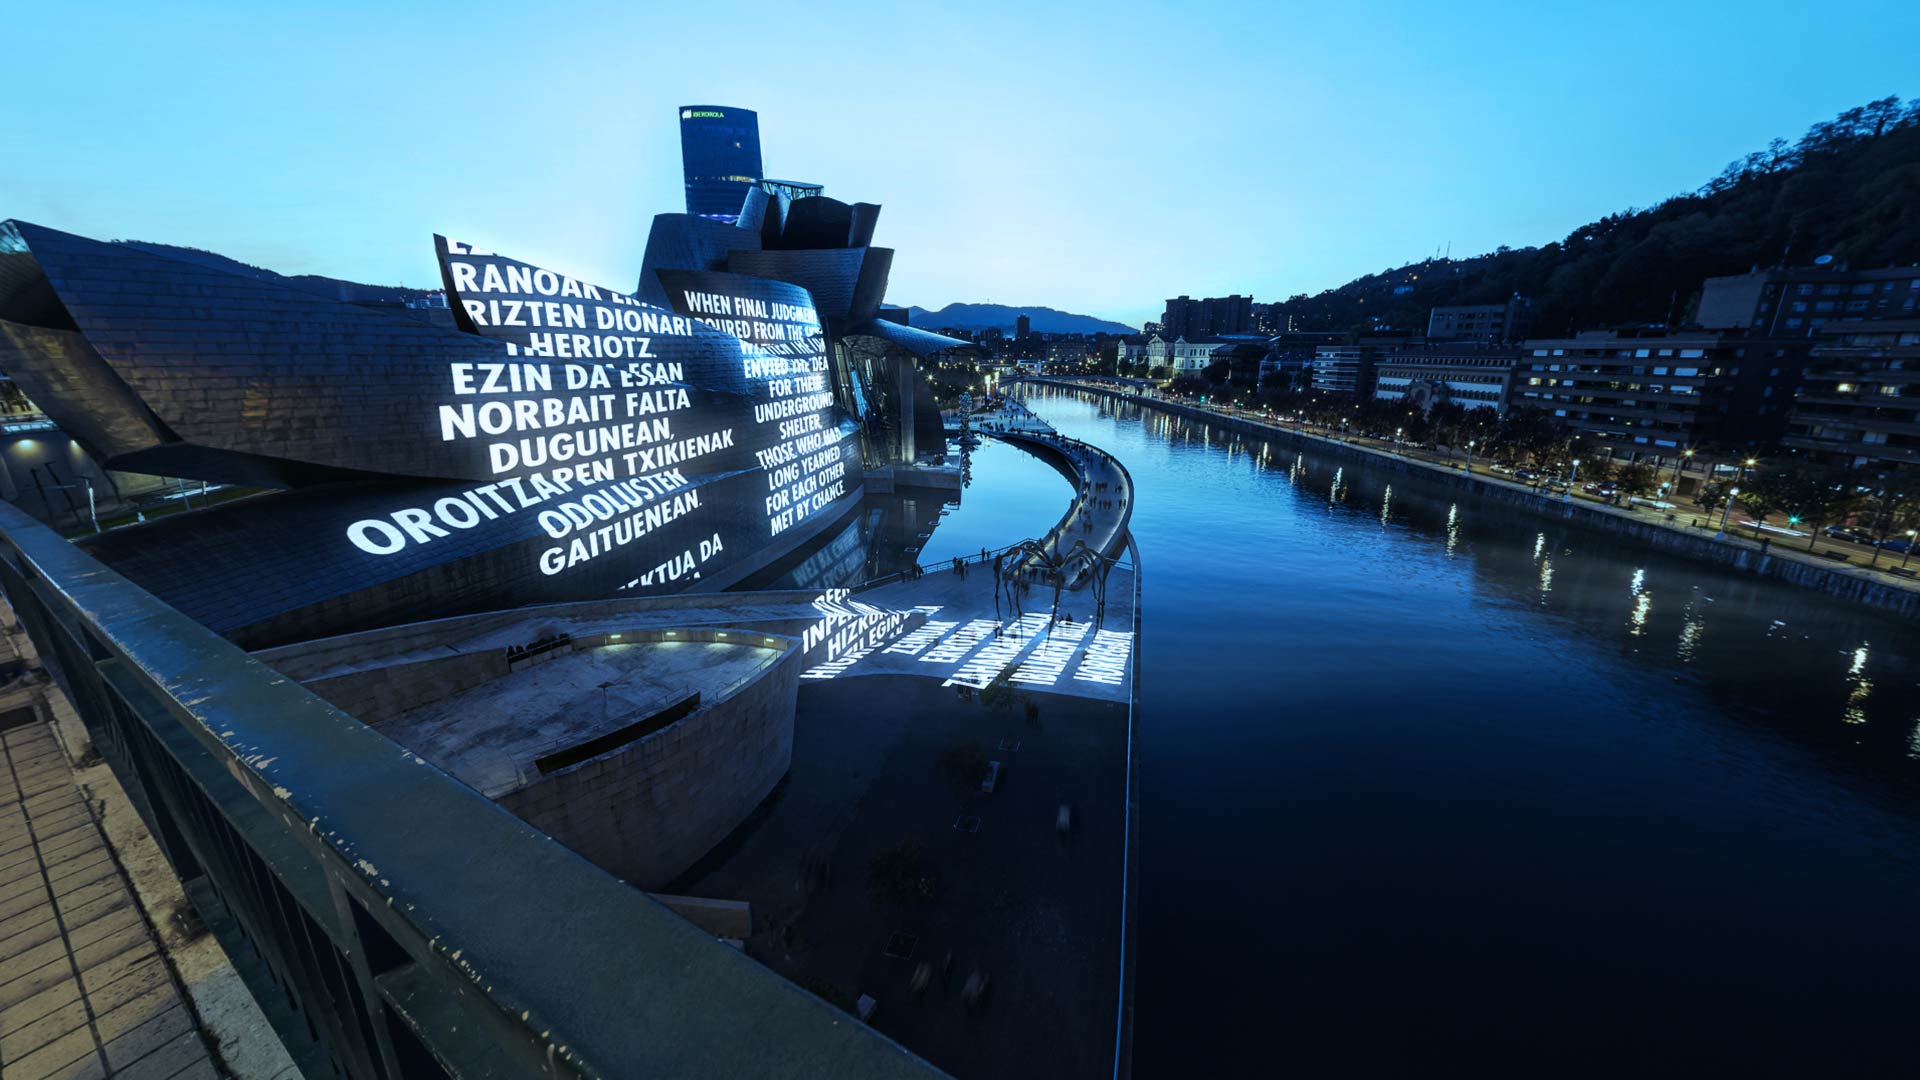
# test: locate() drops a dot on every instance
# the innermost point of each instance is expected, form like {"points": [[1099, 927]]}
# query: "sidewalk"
{"points": [[1103, 492], [1846, 559], [1681, 518]]}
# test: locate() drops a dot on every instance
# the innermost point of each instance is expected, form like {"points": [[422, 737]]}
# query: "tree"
{"points": [[1761, 495], [998, 695], [1838, 190], [1530, 434], [1447, 421], [1811, 496], [961, 764], [1636, 479], [1712, 495], [1890, 509], [1187, 384], [1599, 470], [896, 876]]}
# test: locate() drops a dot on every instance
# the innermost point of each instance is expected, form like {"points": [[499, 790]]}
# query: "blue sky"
{"points": [[1092, 157]]}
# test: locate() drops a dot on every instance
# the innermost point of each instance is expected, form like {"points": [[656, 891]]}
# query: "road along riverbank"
{"points": [[1867, 587]]}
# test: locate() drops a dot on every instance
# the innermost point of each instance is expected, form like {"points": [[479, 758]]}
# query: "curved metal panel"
{"points": [[819, 222], [580, 443], [865, 217]]}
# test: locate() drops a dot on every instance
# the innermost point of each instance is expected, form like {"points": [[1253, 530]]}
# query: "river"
{"points": [[1432, 786]]}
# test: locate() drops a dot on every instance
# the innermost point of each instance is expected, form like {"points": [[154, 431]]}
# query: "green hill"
{"points": [[1849, 188]]}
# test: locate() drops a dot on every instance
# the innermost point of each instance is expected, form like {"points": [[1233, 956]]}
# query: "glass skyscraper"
{"points": [[720, 153]]}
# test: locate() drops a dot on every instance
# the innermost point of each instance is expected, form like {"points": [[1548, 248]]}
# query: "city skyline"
{"points": [[1281, 152]]}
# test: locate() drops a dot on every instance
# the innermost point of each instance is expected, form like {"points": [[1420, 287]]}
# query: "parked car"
{"points": [[1528, 475], [1850, 535], [1503, 467], [1605, 489], [1899, 545]]}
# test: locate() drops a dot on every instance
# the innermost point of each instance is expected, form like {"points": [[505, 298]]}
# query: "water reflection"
{"points": [[1692, 628], [1490, 791], [1855, 711], [1015, 496], [1575, 577]]}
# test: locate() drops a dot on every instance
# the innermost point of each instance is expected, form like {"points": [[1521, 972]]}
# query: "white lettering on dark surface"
{"points": [[585, 426]]}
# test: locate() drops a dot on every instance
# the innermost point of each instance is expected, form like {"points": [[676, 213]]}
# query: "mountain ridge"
{"points": [[1045, 320]]}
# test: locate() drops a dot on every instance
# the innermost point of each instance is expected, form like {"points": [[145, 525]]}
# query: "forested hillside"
{"points": [[1849, 188]]}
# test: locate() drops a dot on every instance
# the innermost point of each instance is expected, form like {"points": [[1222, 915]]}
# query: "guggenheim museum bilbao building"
{"points": [[535, 496]]}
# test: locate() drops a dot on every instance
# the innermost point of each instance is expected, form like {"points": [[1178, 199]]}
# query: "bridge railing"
{"points": [[394, 923]]}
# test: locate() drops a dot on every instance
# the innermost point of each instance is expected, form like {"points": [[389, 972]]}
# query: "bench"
{"points": [[1836, 556]]}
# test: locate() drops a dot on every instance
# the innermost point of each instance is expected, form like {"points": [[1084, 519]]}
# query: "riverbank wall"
{"points": [[1870, 588]]}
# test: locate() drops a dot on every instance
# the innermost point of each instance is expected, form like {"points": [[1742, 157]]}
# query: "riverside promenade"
{"points": [[1103, 491], [1880, 587], [1026, 879]]}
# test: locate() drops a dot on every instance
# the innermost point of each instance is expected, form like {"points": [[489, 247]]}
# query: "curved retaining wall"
{"points": [[1858, 585], [650, 809], [645, 810]]}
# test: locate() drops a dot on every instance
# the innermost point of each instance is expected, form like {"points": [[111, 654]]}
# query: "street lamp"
{"points": [[1396, 439], [1732, 494], [1744, 466], [1911, 533], [1572, 478], [1678, 462], [1470, 443]]}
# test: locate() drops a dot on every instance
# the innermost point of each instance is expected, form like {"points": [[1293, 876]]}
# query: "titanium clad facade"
{"points": [[533, 438], [564, 442]]}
